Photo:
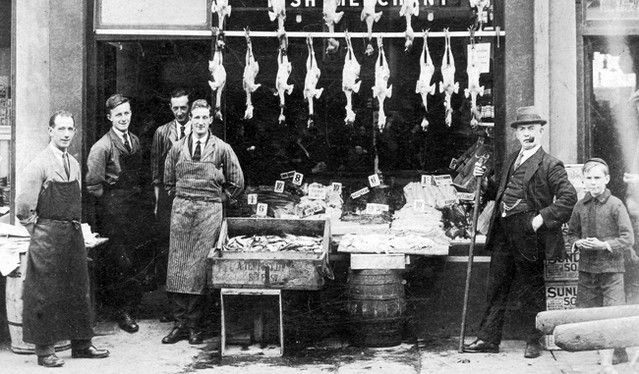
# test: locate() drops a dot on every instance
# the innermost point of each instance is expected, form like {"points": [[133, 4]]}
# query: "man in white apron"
{"points": [[201, 172], [56, 285]]}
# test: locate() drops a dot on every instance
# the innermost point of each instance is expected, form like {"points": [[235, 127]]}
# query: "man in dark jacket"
{"points": [[533, 199]]}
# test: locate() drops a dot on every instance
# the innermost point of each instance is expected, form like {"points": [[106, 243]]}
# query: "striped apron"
{"points": [[196, 218]]}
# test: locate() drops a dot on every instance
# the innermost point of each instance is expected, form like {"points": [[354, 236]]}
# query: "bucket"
{"points": [[14, 312], [377, 307]]}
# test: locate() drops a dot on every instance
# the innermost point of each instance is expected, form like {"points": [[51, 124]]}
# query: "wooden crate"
{"points": [[269, 270]]}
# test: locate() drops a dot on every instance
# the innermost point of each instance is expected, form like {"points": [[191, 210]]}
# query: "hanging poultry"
{"points": [[480, 5], [312, 77], [250, 73], [474, 88], [426, 71], [279, 13], [369, 16], [350, 79], [409, 8], [218, 73], [284, 69], [222, 9], [448, 85], [381, 90], [331, 18]]}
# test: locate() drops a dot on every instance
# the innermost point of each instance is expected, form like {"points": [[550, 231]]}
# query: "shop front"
{"points": [[357, 149]]}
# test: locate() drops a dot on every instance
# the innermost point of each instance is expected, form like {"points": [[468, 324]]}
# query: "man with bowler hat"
{"points": [[533, 199]]}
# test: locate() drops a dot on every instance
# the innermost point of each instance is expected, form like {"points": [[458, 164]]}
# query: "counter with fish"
{"points": [[271, 253]]}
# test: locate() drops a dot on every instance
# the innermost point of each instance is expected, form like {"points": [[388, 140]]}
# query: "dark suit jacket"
{"points": [[548, 191]]}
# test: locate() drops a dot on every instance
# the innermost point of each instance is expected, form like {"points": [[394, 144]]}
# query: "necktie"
{"points": [[196, 153], [67, 167], [181, 131], [127, 145], [518, 162]]}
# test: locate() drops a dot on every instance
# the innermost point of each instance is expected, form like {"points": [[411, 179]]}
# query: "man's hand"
{"points": [[479, 170], [537, 222]]}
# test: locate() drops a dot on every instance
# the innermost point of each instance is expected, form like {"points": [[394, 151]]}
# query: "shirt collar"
{"points": [[120, 134], [57, 151], [203, 140], [601, 198], [187, 127], [529, 152]]}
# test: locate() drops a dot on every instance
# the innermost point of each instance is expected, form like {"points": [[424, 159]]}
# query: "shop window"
{"points": [[612, 77], [6, 108]]}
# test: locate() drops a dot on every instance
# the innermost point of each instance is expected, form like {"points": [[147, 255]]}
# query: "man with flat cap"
{"points": [[533, 199]]}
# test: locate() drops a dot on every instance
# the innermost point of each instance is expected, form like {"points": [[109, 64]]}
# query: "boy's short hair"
{"points": [[115, 100], [201, 103], [593, 162]]}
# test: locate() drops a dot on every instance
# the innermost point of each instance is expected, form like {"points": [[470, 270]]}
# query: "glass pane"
{"points": [[612, 9], [153, 13], [6, 108], [614, 116]]}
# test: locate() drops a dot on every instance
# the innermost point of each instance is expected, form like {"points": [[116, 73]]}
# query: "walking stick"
{"points": [[469, 269]]}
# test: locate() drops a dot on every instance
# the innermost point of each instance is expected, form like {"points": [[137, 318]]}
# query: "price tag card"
{"points": [[298, 178], [312, 210], [443, 180], [252, 198], [372, 208], [360, 193], [453, 163], [373, 180], [450, 201], [427, 180], [419, 205], [262, 209], [287, 175], [316, 193], [337, 187], [466, 196], [279, 186]]}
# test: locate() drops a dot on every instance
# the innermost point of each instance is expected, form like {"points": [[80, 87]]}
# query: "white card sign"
{"points": [[419, 205], [262, 209], [482, 51], [252, 198], [298, 178], [337, 187], [427, 180], [316, 193], [279, 186], [443, 180], [373, 180], [359, 193], [287, 175]]}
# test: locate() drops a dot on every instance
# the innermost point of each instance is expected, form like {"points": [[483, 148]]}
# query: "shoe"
{"points": [[50, 361], [90, 352], [620, 356], [195, 336], [127, 323], [532, 350], [480, 346], [178, 333]]}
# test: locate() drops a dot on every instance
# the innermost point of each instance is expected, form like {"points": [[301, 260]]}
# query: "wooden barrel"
{"points": [[377, 307], [14, 312]]}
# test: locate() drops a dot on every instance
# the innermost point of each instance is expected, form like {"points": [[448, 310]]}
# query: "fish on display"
{"points": [[331, 18], [284, 69], [426, 71], [350, 79], [381, 90], [409, 8], [251, 70], [310, 82], [369, 16], [448, 85], [218, 73]]}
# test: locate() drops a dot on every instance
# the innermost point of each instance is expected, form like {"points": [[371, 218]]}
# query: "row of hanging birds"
{"points": [[351, 70]]}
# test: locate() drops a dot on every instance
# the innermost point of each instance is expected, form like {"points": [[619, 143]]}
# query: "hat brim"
{"points": [[528, 122]]}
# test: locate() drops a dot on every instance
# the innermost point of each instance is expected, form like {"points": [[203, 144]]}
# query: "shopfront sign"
{"points": [[157, 14]]}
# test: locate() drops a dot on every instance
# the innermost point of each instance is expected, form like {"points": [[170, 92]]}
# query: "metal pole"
{"points": [[469, 269]]}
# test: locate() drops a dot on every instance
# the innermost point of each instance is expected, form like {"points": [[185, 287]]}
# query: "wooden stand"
{"points": [[249, 330]]}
